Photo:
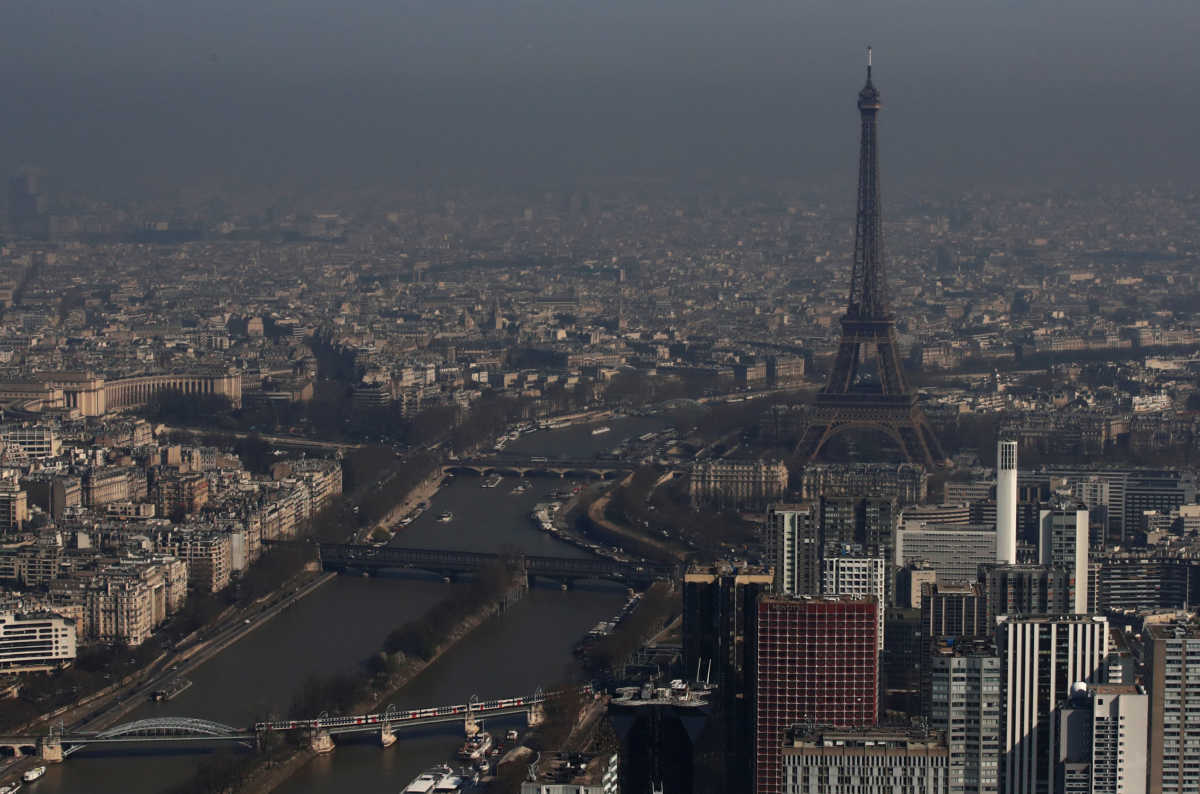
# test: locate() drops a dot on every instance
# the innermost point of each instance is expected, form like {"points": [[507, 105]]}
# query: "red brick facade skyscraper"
{"points": [[818, 663]]}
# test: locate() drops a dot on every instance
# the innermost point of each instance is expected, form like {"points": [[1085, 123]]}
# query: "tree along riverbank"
{"points": [[405, 653]]}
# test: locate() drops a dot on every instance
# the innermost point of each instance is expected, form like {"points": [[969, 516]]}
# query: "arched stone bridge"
{"points": [[525, 466]]}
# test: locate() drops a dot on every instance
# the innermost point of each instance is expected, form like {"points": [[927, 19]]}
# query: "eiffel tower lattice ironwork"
{"points": [[856, 397]]}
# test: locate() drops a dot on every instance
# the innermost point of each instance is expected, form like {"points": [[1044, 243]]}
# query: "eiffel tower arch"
{"points": [[866, 388]]}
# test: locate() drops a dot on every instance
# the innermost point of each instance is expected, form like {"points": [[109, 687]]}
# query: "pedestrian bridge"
{"points": [[59, 744], [449, 562]]}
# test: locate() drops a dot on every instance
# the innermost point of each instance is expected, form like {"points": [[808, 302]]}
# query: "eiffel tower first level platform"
{"points": [[897, 416]]}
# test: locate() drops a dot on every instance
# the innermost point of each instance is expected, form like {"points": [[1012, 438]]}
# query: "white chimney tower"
{"points": [[1006, 503]]}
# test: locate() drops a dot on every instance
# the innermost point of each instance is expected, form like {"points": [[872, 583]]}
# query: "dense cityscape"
{"points": [[643, 489]]}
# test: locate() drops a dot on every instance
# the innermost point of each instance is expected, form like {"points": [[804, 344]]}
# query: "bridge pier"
{"points": [[321, 741], [387, 736], [536, 715], [50, 750]]}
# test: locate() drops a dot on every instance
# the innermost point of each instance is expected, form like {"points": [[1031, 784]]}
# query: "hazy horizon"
{"points": [[143, 95]]}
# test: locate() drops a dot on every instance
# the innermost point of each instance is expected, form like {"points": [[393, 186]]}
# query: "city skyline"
{"points": [[518, 398]]}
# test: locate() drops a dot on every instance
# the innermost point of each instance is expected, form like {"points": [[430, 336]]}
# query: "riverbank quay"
{"points": [[268, 774], [108, 707], [389, 524], [231, 625], [626, 537]]}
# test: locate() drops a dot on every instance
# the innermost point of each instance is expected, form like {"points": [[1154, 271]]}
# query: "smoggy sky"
{"points": [[124, 95]]}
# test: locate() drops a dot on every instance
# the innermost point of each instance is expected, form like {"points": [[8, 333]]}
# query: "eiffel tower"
{"points": [[866, 388]]}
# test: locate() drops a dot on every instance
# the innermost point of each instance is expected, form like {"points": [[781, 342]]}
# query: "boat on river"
{"points": [[475, 749], [454, 783], [33, 774], [429, 780], [446, 517], [601, 430]]}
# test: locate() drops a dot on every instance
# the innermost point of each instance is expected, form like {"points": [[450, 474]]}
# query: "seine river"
{"points": [[347, 619]]}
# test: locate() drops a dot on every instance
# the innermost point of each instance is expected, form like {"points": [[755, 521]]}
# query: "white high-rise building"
{"points": [[883, 760], [859, 577], [1103, 735], [1173, 681], [1064, 544], [1044, 657], [966, 704], [793, 547], [1006, 503]]}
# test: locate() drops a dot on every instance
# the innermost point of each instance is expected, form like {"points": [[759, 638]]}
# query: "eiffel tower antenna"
{"points": [[849, 400]]}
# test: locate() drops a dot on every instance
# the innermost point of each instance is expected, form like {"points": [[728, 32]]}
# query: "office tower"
{"points": [[1026, 590], [864, 523], [1154, 492], [1006, 503], [1173, 681], [669, 741], [1103, 733], [793, 546], [966, 704], [1096, 494], [958, 610], [1043, 658], [720, 614], [858, 577], [985, 513], [1064, 544], [871, 761], [955, 551], [910, 583], [883, 402], [950, 614], [904, 646], [817, 663], [969, 492], [1145, 582], [28, 204]]}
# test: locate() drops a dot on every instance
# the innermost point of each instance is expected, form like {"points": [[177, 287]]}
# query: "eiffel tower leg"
{"points": [[815, 436], [911, 444], [932, 445], [890, 376]]}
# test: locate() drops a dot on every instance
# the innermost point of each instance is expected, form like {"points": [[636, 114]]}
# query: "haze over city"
{"points": [[122, 97], [599, 398]]}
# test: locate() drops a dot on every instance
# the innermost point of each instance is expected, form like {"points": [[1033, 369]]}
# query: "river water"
{"points": [[344, 621]]}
